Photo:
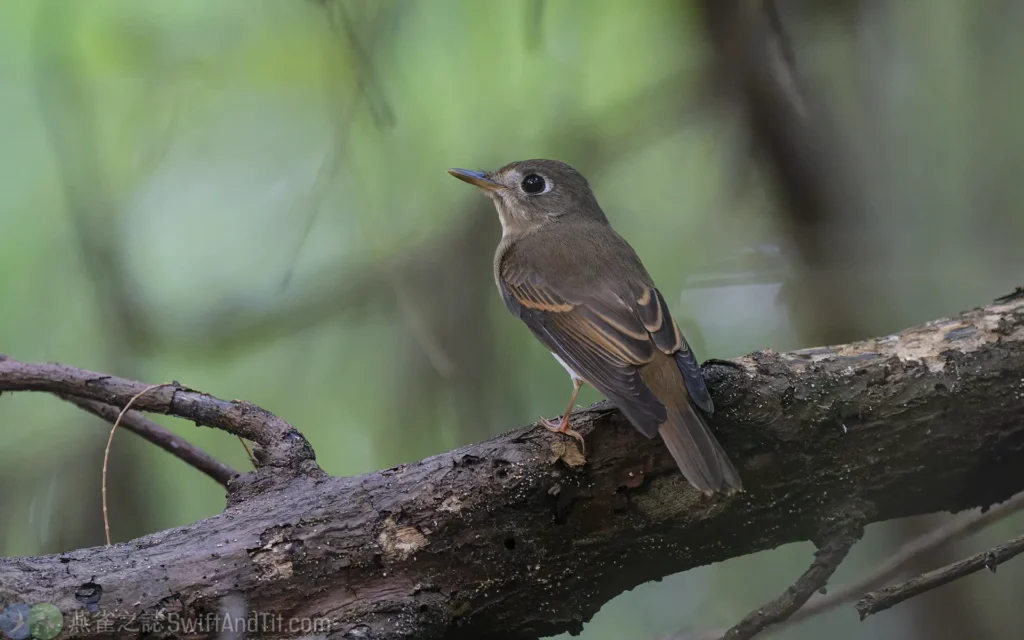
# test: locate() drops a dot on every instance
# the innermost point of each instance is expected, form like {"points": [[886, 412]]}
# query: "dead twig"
{"points": [[826, 560], [110, 440], [248, 451], [904, 557], [885, 598], [908, 553]]}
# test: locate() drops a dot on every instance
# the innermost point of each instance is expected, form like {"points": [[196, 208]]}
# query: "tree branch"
{"points": [[826, 561], [890, 596], [281, 445], [906, 555], [518, 537], [170, 442], [923, 545]]}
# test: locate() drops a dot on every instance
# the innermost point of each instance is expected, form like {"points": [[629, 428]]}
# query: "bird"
{"points": [[583, 292]]}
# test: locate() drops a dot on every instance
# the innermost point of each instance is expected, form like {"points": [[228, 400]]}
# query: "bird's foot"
{"points": [[562, 426]]}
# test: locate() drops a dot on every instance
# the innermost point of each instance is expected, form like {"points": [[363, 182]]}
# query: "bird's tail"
{"points": [[698, 454]]}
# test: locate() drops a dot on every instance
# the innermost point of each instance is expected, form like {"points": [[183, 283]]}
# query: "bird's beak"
{"points": [[477, 179]]}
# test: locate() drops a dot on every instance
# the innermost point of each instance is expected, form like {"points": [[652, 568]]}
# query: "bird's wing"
{"points": [[605, 337], [658, 320]]}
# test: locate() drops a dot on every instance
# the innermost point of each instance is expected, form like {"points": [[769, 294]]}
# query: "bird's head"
{"points": [[529, 194]]}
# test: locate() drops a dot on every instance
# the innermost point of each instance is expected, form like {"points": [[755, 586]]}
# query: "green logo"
{"points": [[20, 622], [45, 621]]}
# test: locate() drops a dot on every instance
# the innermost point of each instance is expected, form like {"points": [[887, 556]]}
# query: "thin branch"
{"points": [[248, 452], [885, 598], [170, 442], [282, 444], [908, 553], [826, 560], [1016, 294], [106, 451], [904, 557]]}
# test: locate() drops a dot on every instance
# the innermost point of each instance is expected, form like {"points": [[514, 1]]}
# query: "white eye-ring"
{"points": [[534, 184]]}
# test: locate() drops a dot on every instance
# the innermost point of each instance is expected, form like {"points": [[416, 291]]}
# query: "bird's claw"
{"points": [[562, 426], [553, 425]]}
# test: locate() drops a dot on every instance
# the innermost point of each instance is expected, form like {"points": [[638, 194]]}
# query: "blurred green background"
{"points": [[250, 197]]}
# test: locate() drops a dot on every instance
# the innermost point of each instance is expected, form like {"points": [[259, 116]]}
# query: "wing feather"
{"points": [[605, 340], [657, 319]]}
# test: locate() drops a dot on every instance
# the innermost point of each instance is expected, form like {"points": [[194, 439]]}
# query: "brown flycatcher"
{"points": [[583, 292]]}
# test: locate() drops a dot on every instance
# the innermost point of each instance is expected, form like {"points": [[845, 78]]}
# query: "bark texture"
{"points": [[519, 536]]}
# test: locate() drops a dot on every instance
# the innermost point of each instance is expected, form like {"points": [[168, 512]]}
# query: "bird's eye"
{"points": [[533, 184]]}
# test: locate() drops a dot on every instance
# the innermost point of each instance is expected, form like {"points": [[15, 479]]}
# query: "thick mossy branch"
{"points": [[516, 537]]}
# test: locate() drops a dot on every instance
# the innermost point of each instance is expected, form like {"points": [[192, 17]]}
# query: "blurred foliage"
{"points": [[249, 196]]}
